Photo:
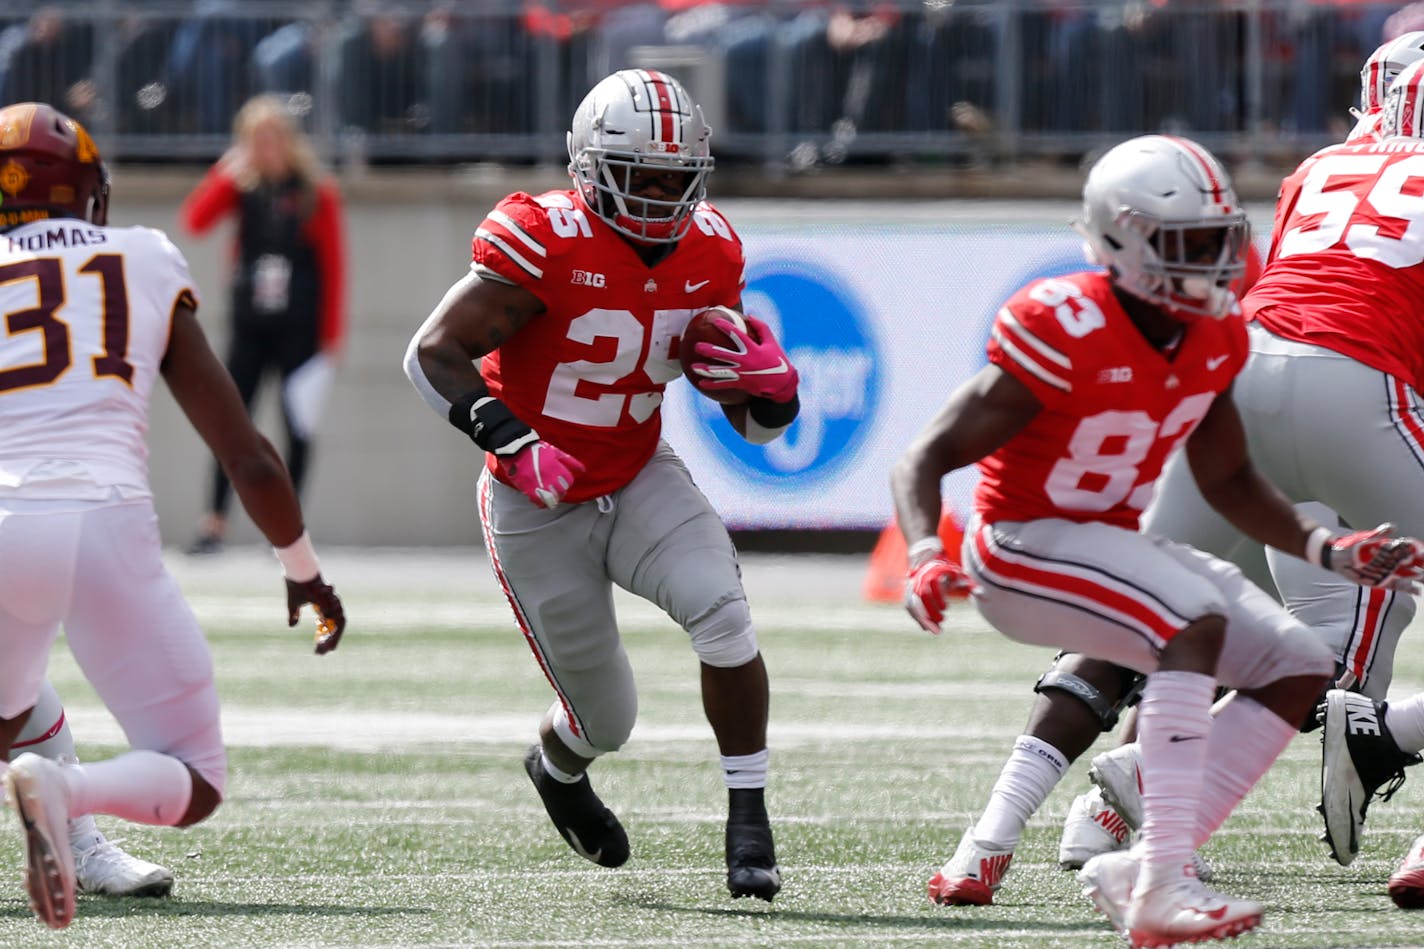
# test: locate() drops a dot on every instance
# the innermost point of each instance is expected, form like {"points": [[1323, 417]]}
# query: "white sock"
{"points": [[746, 771], [563, 777], [1246, 738], [1173, 727], [1405, 722], [46, 733], [1032, 772], [142, 786]]}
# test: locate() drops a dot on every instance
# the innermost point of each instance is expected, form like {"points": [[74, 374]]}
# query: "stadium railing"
{"points": [[787, 84]]}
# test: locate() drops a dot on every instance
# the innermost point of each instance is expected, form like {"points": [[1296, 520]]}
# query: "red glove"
{"points": [[758, 366], [543, 472], [1376, 558], [930, 585]]}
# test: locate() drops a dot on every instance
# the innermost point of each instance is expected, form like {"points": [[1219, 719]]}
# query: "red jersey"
{"points": [[588, 373], [1346, 265], [1114, 406]]}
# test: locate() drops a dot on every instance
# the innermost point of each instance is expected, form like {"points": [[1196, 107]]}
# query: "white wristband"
{"points": [[926, 548], [299, 559], [1315, 546]]}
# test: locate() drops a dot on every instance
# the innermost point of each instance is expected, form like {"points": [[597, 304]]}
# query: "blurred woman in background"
{"points": [[287, 309]]}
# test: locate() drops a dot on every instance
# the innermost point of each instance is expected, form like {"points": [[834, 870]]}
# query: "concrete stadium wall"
{"points": [[385, 470]]}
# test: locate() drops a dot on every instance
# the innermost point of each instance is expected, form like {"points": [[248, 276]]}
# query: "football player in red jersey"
{"points": [[79, 542], [1093, 380], [552, 354], [1080, 696], [1332, 398], [1379, 72]]}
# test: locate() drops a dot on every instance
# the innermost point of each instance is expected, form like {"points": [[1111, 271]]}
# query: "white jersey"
{"points": [[85, 313]]}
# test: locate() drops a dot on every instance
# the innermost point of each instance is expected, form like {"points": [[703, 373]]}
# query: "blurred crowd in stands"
{"points": [[807, 80]]}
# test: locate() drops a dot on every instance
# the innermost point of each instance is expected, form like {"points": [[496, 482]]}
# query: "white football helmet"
{"points": [[1160, 213], [1403, 112], [1384, 64], [634, 120]]}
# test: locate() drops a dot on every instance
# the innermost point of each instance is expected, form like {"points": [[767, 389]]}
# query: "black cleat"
{"points": [[1359, 762], [580, 817], [751, 856]]}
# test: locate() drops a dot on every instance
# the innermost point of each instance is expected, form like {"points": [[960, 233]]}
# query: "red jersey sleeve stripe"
{"points": [[1028, 363], [1020, 332], [519, 233], [516, 258]]}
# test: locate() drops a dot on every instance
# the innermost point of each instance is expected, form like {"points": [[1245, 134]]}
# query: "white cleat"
{"points": [[1108, 880], [972, 875], [1093, 827], [36, 792], [1118, 773], [1187, 911], [101, 867]]}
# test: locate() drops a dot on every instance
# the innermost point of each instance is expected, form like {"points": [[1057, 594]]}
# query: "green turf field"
{"points": [[377, 796]]}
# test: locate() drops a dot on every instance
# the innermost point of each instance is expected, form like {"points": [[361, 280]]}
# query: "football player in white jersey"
{"points": [[92, 316], [100, 866]]}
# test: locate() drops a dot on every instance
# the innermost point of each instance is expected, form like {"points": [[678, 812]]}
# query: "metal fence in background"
{"points": [[788, 84]]}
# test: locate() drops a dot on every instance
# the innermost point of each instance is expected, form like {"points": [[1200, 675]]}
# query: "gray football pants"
{"points": [[659, 538], [1324, 428]]}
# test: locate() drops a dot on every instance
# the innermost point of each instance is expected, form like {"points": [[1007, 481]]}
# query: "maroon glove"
{"points": [[330, 617]]}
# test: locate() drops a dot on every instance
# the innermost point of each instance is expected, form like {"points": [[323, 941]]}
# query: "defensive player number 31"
{"points": [[567, 396], [54, 332]]}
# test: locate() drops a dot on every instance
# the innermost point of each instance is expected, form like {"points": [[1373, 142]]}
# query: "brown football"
{"points": [[701, 329]]}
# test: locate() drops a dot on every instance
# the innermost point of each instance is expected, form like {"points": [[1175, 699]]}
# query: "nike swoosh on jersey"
{"points": [[1215, 361], [690, 287]]}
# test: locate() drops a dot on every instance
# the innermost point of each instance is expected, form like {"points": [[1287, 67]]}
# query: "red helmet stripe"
{"points": [[666, 130], [1208, 167]]}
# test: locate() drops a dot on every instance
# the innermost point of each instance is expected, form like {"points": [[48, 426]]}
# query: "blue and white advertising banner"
{"points": [[884, 310]]}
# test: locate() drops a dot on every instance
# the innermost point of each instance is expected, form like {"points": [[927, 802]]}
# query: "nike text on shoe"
{"points": [[1359, 762], [1187, 911], [101, 867], [1118, 774], [1093, 826], [36, 791], [751, 854], [1108, 880], [1406, 884], [580, 817], [972, 875]]}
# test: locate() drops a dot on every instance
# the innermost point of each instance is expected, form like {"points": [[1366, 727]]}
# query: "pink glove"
{"points": [[1376, 558], [928, 589], [543, 472], [758, 366]]}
